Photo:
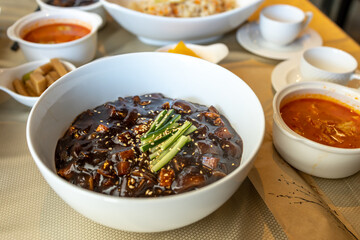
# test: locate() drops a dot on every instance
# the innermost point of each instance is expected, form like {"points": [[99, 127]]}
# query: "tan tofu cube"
{"points": [[20, 87], [51, 77], [38, 82], [44, 69], [58, 66]]}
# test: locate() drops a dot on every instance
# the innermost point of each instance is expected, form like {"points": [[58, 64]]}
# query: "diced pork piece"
{"points": [[206, 147], [102, 128], [127, 154], [66, 172], [218, 174], [210, 162], [231, 149], [211, 115], [131, 117], [218, 122], [213, 109], [122, 168], [117, 114], [188, 179], [166, 106], [136, 100], [223, 133], [166, 177], [144, 103], [201, 132], [182, 106], [85, 180]]}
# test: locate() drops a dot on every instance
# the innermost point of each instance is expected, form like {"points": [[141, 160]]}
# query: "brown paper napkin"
{"points": [[302, 212]]}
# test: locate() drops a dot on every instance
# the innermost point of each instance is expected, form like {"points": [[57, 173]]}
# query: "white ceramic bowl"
{"points": [[136, 74], [158, 30], [78, 52], [8, 75], [93, 8], [308, 156]]}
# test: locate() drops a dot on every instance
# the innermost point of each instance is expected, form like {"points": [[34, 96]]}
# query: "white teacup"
{"points": [[328, 64], [281, 24]]}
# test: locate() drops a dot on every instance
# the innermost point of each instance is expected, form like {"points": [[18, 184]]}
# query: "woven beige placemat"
{"points": [[30, 209]]}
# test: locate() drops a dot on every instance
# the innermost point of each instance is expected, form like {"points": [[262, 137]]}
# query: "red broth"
{"points": [[56, 33], [323, 121]]}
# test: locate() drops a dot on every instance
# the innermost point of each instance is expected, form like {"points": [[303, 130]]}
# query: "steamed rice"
{"points": [[183, 8]]}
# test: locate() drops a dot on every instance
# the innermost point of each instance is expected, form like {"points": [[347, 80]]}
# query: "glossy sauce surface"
{"points": [[323, 121], [56, 33], [71, 3], [100, 150]]}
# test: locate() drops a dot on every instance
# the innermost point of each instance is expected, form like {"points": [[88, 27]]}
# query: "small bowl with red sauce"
{"points": [[70, 35], [316, 128]]}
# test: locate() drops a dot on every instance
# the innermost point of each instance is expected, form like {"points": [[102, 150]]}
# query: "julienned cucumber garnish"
{"points": [[165, 138]]}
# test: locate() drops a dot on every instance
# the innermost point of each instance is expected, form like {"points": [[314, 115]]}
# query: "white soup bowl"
{"points": [[306, 155], [78, 52], [136, 74]]}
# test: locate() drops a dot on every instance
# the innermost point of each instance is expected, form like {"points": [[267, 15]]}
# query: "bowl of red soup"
{"points": [[316, 128], [70, 35]]}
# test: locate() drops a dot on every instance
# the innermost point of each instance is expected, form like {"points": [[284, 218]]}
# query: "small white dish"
{"points": [[285, 73], [8, 75], [250, 38], [213, 53]]}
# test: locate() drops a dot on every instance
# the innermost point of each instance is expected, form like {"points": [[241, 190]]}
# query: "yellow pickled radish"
{"points": [[181, 48]]}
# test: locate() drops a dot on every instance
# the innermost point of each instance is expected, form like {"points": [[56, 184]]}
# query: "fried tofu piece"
{"points": [[38, 81], [30, 89], [58, 66], [51, 77], [20, 87], [44, 69]]}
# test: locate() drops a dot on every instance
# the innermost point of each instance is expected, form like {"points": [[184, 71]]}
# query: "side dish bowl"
{"points": [[120, 76], [8, 75], [306, 155], [78, 51], [93, 8], [159, 30]]}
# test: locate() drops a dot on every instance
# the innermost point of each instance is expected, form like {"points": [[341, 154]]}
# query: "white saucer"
{"points": [[285, 73], [250, 38]]}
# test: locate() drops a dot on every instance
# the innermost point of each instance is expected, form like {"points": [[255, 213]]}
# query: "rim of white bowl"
{"points": [[13, 30], [172, 19], [84, 8], [311, 85], [90, 193]]}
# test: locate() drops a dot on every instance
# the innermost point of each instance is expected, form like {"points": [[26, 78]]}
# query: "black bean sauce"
{"points": [[71, 3], [100, 151]]}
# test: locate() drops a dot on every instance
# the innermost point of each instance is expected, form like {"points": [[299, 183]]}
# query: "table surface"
{"points": [[30, 209]]}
